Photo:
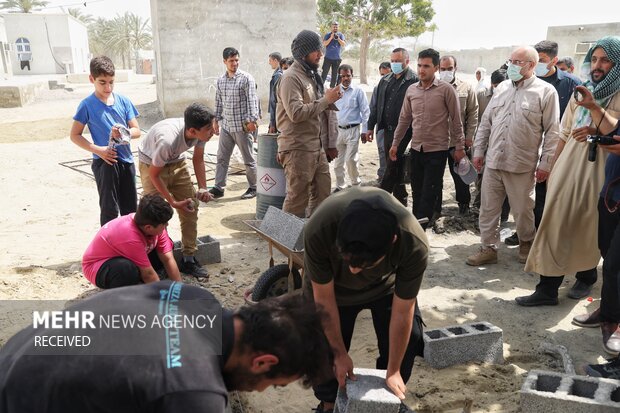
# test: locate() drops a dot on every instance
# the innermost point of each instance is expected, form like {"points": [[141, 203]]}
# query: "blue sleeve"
{"points": [[81, 115], [130, 110], [326, 36]]}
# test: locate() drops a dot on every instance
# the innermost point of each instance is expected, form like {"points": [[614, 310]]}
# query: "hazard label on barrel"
{"points": [[267, 182]]}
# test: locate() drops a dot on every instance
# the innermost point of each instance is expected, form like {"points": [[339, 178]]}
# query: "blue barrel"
{"points": [[271, 184]]}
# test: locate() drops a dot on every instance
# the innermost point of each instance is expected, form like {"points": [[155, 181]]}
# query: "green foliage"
{"points": [[84, 18], [120, 37], [381, 19], [367, 21], [22, 6]]}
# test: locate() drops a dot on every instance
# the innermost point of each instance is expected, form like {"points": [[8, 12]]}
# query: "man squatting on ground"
{"points": [[113, 166], [271, 343], [130, 249], [164, 169], [364, 250]]}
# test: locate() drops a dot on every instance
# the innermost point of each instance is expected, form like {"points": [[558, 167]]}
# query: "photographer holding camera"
{"points": [[567, 237]]}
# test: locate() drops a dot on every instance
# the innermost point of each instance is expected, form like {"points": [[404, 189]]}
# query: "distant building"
{"points": [[47, 43], [575, 40], [5, 53]]}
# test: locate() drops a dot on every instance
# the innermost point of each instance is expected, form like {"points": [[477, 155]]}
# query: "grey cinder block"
{"points": [[208, 250], [480, 341], [551, 392], [367, 394], [285, 228]]}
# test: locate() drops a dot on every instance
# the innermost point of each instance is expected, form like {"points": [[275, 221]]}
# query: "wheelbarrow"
{"points": [[278, 279]]}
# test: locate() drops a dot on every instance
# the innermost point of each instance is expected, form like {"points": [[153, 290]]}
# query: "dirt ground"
{"points": [[49, 213]]}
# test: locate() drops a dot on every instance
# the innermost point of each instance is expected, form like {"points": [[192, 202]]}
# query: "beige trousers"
{"points": [[308, 181], [177, 179], [519, 187]]}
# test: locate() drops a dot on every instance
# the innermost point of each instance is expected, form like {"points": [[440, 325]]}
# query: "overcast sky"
{"points": [[463, 24]]}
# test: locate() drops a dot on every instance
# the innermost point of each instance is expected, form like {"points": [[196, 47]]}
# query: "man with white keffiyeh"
{"points": [[566, 241]]}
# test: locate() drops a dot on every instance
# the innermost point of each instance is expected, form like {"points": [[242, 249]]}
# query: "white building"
{"points": [[5, 53], [47, 43]]}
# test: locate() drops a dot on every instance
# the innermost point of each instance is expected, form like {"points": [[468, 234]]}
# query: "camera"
{"points": [[601, 140], [594, 141]]}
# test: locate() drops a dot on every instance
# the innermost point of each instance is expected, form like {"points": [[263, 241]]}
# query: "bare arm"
{"points": [[325, 296], [134, 128], [199, 166], [105, 153], [170, 265], [601, 119], [401, 324], [148, 275], [154, 174]]}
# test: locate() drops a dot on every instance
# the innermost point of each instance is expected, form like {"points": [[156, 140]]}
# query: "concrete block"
{"points": [[551, 392], [284, 228], [208, 250], [367, 394], [480, 341]]}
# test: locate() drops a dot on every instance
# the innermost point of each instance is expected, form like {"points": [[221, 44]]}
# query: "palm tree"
{"points": [[84, 18], [22, 6]]}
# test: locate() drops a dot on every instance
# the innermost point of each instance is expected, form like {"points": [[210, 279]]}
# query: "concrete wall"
{"points": [[6, 70], [58, 42], [568, 37], [189, 38]]}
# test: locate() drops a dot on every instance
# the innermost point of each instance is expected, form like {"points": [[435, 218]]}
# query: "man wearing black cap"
{"points": [[301, 100], [364, 250]]}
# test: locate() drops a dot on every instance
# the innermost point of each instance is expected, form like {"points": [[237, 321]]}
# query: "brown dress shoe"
{"points": [[524, 250], [592, 319], [486, 255], [611, 337]]}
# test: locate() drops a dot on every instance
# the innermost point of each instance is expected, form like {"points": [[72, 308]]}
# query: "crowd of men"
{"points": [[524, 140]]}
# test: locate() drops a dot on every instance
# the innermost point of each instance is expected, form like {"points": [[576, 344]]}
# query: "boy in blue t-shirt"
{"points": [[113, 165]]}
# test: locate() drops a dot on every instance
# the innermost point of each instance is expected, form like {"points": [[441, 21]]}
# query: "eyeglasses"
{"points": [[519, 62]]}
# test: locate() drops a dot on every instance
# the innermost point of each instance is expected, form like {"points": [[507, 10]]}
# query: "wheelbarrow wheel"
{"points": [[274, 282]]}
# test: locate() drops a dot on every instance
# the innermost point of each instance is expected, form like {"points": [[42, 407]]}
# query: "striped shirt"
{"points": [[236, 101]]}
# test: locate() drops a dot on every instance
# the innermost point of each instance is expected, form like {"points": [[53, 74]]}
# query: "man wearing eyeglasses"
{"points": [[365, 250], [521, 120]]}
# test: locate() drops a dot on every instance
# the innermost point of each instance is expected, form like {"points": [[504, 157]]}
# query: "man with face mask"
{"points": [[566, 242], [521, 120], [564, 84], [301, 101], [484, 97], [390, 95], [468, 102]]}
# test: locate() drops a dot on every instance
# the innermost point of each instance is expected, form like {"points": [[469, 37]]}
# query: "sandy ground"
{"points": [[49, 213]]}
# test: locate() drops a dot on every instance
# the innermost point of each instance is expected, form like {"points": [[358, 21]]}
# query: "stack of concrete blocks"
{"points": [[284, 228], [208, 250], [367, 394], [552, 392], [480, 341]]}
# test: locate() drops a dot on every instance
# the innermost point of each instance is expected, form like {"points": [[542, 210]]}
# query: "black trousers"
{"points": [[116, 185], [334, 65], [609, 244], [539, 202], [381, 311], [427, 170], [121, 272], [392, 180], [463, 196]]}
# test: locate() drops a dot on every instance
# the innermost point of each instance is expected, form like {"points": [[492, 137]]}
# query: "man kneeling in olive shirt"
{"points": [[364, 250]]}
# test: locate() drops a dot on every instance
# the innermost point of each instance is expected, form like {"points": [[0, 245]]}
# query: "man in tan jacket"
{"points": [[522, 119], [301, 101]]}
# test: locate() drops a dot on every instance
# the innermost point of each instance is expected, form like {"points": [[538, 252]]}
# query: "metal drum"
{"points": [[271, 184]]}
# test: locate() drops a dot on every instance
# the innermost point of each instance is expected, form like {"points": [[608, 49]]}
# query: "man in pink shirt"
{"points": [[129, 249]]}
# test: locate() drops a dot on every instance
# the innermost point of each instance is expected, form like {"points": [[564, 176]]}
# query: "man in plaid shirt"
{"points": [[236, 114]]}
